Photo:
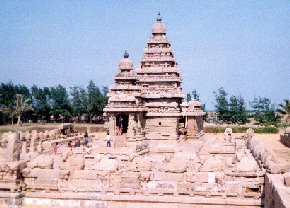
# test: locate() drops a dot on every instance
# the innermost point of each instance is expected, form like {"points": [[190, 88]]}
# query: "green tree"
{"points": [[284, 111], [61, 108], [8, 93], [94, 100], [193, 96], [264, 111], [233, 109], [222, 105], [105, 98], [237, 110], [79, 101], [40, 102], [242, 111], [188, 97], [21, 106]]}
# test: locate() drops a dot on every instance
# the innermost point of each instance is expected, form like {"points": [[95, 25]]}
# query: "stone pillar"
{"points": [[27, 135], [46, 134], [24, 147], [32, 143], [41, 135], [131, 126], [21, 136], [39, 147], [13, 147], [139, 131], [112, 125]]}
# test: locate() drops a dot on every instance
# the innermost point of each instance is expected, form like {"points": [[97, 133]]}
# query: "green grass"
{"points": [[241, 129]]}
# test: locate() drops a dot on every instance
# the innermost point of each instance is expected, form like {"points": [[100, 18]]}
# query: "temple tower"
{"points": [[159, 80], [148, 104], [124, 103]]}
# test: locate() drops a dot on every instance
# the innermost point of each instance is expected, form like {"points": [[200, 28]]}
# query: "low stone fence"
{"points": [[277, 191], [265, 157]]}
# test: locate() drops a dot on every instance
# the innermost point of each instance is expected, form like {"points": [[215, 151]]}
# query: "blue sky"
{"points": [[243, 46]]}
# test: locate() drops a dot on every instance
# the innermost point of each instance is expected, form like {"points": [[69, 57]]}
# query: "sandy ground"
{"points": [[273, 141], [270, 140]]}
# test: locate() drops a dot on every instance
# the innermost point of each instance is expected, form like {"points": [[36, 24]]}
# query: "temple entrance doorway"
{"points": [[122, 120]]}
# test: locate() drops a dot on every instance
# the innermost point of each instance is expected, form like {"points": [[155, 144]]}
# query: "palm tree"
{"points": [[21, 105], [284, 110]]}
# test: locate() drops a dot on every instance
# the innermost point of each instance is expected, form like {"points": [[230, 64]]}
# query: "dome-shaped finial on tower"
{"points": [[159, 18], [126, 55]]}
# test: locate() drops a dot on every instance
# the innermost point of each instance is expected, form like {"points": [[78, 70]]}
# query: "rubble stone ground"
{"points": [[217, 170]]}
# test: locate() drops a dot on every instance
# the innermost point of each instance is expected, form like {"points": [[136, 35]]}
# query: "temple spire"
{"points": [[159, 18]]}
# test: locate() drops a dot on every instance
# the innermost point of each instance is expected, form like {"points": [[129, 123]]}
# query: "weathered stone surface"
{"points": [[287, 179], [276, 193], [106, 164], [161, 176], [247, 164], [42, 162], [213, 164], [130, 181], [176, 165], [73, 162]]}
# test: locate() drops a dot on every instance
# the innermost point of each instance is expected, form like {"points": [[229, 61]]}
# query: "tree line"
{"points": [[233, 109], [51, 104], [79, 104]]}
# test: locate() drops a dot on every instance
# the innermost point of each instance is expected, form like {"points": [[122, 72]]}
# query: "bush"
{"points": [[241, 129], [266, 130]]}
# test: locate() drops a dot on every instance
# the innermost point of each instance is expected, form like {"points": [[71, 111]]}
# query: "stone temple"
{"points": [[159, 158], [148, 102]]}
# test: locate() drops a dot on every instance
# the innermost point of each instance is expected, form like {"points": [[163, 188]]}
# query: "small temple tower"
{"points": [[124, 103], [148, 104]]}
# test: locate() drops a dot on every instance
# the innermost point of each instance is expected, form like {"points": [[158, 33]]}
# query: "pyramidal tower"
{"points": [[160, 84], [147, 105]]}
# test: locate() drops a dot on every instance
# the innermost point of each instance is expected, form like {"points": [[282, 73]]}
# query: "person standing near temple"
{"points": [[120, 126], [108, 140], [86, 139], [55, 148]]}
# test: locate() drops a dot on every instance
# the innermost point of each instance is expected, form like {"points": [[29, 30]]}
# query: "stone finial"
{"points": [[158, 26], [159, 18], [126, 54]]}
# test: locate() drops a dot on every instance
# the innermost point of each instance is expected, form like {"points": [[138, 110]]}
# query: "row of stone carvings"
{"points": [[212, 167]]}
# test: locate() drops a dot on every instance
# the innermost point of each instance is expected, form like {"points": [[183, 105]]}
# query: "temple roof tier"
{"points": [[114, 93], [157, 50], [162, 114], [116, 109], [157, 70], [157, 58], [125, 87], [158, 104], [130, 77], [164, 95], [115, 99], [158, 41], [151, 80]]}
